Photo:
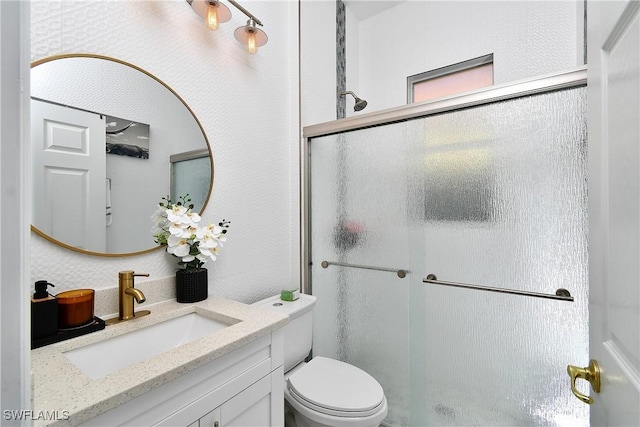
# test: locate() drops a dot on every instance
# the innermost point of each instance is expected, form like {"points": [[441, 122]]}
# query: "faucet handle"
{"points": [[129, 274]]}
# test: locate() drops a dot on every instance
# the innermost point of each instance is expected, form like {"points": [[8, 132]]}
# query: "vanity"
{"points": [[231, 374], [212, 363]]}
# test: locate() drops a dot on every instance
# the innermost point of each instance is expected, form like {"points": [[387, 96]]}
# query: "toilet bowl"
{"points": [[327, 392], [323, 392]]}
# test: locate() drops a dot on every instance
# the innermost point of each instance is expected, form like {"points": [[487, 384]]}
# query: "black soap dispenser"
{"points": [[44, 312]]}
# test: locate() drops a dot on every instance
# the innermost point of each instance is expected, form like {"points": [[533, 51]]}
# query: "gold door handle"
{"points": [[591, 373]]}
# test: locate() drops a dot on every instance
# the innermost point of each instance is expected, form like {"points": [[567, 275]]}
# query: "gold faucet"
{"points": [[127, 293]]}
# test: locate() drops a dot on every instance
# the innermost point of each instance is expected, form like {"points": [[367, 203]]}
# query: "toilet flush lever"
{"points": [[591, 373]]}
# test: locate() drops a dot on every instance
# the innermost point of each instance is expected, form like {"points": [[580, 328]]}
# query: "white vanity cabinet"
{"points": [[241, 388], [251, 407]]}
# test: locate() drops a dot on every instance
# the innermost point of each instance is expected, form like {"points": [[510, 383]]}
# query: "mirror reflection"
{"points": [[109, 140]]}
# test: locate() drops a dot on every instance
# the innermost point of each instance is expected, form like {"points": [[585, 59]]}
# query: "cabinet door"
{"points": [[212, 419], [252, 407]]}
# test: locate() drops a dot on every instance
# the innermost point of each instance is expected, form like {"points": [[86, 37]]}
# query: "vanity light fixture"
{"points": [[212, 11], [215, 12], [251, 36]]}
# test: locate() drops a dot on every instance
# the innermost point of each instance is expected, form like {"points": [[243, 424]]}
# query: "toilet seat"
{"points": [[336, 388], [336, 413]]}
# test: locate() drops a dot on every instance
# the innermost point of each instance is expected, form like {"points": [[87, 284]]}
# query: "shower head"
{"points": [[360, 103]]}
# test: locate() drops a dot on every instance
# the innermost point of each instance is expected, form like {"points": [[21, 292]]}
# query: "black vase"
{"points": [[192, 285]]}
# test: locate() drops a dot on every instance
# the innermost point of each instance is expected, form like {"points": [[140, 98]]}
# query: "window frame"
{"points": [[443, 71]]}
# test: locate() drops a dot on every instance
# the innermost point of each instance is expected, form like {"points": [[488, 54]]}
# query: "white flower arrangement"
{"points": [[176, 225]]}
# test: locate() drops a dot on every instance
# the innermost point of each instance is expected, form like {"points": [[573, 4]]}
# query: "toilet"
{"points": [[323, 392]]}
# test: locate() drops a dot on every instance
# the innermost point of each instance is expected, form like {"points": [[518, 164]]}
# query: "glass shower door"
{"points": [[505, 207], [492, 195], [365, 188]]}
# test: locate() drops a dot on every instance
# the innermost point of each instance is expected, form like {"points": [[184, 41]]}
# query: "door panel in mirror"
{"points": [[68, 176]]}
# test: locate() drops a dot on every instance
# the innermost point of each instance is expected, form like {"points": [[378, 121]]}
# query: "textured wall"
{"points": [[247, 105]]}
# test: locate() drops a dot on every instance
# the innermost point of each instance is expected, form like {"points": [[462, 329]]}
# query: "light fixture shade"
{"points": [[200, 7], [251, 36]]}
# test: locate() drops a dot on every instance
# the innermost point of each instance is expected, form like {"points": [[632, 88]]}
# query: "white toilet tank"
{"points": [[298, 332]]}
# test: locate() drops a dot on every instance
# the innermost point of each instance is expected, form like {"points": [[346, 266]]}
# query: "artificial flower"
{"points": [[176, 225]]}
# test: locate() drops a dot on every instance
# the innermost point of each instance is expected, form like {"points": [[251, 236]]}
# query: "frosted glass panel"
{"points": [[191, 177], [365, 188], [493, 195]]}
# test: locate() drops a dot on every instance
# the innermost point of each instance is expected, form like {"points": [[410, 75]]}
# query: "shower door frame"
{"points": [[575, 77]]}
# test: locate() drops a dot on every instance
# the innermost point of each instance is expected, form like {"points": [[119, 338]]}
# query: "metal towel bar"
{"points": [[401, 273], [561, 294]]}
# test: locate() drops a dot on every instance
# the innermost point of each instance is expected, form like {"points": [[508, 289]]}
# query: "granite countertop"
{"points": [[72, 397]]}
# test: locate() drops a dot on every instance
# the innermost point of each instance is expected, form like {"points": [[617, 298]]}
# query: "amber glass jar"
{"points": [[75, 308]]}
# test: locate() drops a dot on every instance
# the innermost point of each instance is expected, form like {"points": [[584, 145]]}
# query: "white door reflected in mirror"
{"points": [[68, 176]]}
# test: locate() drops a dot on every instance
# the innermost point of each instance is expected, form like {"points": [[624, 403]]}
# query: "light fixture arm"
{"points": [[215, 12], [245, 11]]}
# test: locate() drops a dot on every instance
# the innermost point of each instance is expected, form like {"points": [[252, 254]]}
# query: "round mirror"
{"points": [[109, 140]]}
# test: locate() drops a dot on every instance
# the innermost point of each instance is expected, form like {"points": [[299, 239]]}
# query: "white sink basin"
{"points": [[108, 356]]}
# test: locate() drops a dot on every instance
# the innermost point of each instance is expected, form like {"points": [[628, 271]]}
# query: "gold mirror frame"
{"points": [[206, 139]]}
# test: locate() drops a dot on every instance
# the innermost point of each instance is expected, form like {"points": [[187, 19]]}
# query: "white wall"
{"points": [[527, 38], [15, 391], [318, 61], [247, 105]]}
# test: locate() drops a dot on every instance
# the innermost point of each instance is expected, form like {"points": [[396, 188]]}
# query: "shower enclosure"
{"points": [[191, 174], [406, 207]]}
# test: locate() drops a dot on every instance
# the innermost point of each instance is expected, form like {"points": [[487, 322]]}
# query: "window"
{"points": [[456, 78]]}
